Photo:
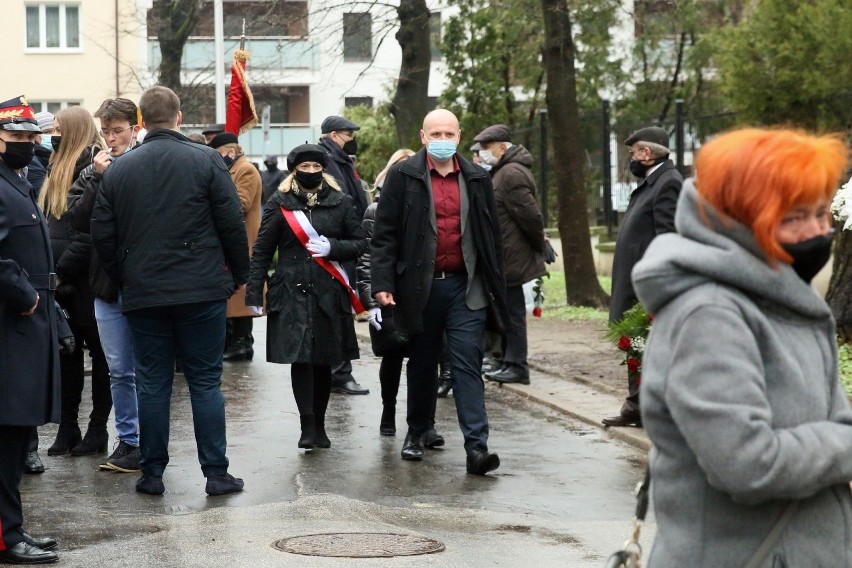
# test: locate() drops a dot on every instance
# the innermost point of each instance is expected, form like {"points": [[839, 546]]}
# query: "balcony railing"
{"points": [[273, 53]]}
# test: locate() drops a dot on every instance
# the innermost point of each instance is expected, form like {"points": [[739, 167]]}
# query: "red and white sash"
{"points": [[304, 232]]}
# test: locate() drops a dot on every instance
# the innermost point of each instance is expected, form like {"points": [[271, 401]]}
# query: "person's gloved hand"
{"points": [[375, 318], [257, 309], [67, 345], [319, 247]]}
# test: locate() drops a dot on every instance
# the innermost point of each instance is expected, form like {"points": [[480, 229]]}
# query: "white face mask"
{"points": [[488, 158]]}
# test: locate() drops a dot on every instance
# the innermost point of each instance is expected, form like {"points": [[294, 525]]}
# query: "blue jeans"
{"points": [[446, 311], [117, 344], [197, 331]]}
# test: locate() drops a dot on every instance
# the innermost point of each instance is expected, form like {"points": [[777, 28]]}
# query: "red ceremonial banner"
{"points": [[240, 115]]}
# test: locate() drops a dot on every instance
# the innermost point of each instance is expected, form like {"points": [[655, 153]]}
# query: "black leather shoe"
{"points": [[241, 350], [150, 485], [309, 433], [23, 553], [223, 484], [509, 375], [444, 388], [628, 419], [349, 387], [490, 365], [387, 425], [321, 438], [432, 440], [34, 464], [412, 448], [42, 542], [480, 462]]}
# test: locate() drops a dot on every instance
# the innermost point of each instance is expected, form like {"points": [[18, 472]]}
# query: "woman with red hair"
{"points": [[752, 431]]}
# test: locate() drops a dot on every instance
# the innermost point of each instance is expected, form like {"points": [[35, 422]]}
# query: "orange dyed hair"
{"points": [[756, 176]]}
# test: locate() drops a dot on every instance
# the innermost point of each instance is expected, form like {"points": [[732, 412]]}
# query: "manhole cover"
{"points": [[359, 545]]}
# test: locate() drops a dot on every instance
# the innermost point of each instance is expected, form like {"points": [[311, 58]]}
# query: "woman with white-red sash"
{"points": [[309, 302]]}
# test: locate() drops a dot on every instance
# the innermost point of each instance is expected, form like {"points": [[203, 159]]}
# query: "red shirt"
{"points": [[446, 194]]}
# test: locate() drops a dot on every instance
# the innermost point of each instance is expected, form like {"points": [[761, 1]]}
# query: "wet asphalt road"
{"points": [[560, 498]]}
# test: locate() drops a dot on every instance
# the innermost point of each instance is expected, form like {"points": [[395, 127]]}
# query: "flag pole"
{"points": [[219, 48], [243, 36]]}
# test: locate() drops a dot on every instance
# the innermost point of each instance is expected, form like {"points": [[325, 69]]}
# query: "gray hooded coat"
{"points": [[741, 400]]}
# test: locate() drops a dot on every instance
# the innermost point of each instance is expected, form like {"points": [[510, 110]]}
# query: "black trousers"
{"points": [[515, 337], [73, 378], [14, 444], [311, 388]]}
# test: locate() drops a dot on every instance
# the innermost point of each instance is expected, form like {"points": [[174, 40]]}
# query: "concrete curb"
{"points": [[574, 398]]}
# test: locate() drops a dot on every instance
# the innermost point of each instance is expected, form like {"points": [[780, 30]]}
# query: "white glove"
{"points": [[319, 247], [375, 318], [257, 309]]}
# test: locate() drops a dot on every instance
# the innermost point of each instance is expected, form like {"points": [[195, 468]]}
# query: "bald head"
{"points": [[440, 124]]}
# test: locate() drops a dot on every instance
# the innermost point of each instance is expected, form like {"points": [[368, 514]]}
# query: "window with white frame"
{"points": [[52, 106], [53, 26]]}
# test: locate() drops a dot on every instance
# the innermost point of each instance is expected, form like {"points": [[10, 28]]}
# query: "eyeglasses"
{"points": [[115, 132]]}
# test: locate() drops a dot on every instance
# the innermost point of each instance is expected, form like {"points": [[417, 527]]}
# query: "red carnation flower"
{"points": [[632, 365], [624, 343], [537, 311]]}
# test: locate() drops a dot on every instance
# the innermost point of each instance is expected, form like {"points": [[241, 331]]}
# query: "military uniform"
{"points": [[29, 347]]}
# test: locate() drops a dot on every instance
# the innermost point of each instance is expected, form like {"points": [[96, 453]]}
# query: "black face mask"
{"points": [[18, 154], [810, 256], [640, 170], [271, 166], [55, 141], [229, 161], [351, 147], [309, 180]]}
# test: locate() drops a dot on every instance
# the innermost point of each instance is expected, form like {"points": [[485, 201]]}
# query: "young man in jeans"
{"points": [[119, 127]]}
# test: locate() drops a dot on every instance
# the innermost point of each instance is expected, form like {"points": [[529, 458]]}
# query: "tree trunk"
{"points": [[411, 101], [177, 21], [839, 295], [581, 282]]}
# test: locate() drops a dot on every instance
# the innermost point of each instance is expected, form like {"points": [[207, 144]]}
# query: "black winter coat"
{"points": [[72, 252], [521, 223], [309, 313], [81, 203], [364, 288], [167, 224], [29, 346], [341, 168], [650, 213], [402, 250]]}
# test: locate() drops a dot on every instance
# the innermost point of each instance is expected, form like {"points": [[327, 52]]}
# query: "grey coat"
{"points": [[741, 401]]}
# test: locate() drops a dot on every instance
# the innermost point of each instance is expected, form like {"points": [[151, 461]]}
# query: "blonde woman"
{"points": [[76, 141]]}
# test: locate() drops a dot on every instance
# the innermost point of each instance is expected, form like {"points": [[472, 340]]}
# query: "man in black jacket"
{"points": [[168, 227], [650, 212], [338, 141], [436, 255]]}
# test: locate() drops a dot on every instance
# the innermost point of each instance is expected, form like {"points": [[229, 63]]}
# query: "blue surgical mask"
{"points": [[45, 141], [441, 150]]}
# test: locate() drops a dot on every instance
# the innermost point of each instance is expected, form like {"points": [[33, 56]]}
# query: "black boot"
{"points": [[387, 427], [240, 350], [322, 440], [445, 380], [94, 442], [67, 437], [308, 439]]}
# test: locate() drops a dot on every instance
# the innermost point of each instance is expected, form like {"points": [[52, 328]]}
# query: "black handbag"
{"points": [[391, 339]]}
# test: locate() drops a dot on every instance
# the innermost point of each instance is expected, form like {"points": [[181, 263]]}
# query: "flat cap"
{"points": [[223, 138], [213, 129], [306, 153], [336, 123], [494, 133], [476, 147], [653, 134]]}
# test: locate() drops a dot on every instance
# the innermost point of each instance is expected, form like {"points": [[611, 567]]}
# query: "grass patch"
{"points": [[556, 304]]}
